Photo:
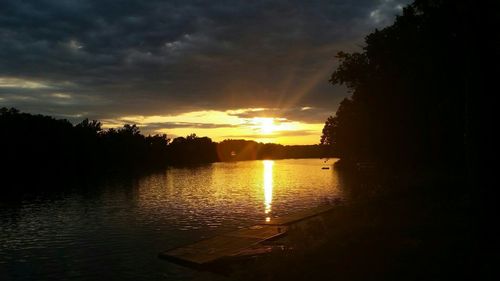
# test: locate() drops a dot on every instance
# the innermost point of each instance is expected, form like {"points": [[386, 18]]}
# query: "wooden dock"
{"points": [[213, 249], [299, 216]]}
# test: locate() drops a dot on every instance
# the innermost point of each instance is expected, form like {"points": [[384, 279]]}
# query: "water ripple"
{"points": [[116, 233]]}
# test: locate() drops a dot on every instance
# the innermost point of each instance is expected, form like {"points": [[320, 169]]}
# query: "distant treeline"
{"points": [[235, 150], [42, 145]]}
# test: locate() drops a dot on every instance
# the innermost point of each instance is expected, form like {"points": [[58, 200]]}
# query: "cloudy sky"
{"points": [[225, 69]]}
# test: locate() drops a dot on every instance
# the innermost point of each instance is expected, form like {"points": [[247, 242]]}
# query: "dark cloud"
{"points": [[304, 113], [151, 127], [118, 58]]}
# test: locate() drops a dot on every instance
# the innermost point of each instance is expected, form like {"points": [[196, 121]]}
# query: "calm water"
{"points": [[114, 231]]}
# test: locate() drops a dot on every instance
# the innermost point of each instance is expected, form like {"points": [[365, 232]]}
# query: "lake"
{"points": [[114, 230]]}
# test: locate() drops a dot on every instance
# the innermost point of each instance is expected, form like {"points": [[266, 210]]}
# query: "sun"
{"points": [[266, 125]]}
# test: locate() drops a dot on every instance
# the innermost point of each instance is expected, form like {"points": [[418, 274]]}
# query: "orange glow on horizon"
{"points": [[229, 124]]}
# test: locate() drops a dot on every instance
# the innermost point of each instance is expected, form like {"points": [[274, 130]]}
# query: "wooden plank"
{"points": [[263, 232], [212, 249], [296, 217]]}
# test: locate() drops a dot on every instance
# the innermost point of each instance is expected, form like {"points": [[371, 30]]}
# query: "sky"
{"points": [[254, 70]]}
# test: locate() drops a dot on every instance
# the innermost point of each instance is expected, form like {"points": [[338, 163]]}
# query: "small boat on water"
{"points": [[325, 167]]}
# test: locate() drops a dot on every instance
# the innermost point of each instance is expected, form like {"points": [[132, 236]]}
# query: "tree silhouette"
{"points": [[47, 148], [408, 102], [92, 127]]}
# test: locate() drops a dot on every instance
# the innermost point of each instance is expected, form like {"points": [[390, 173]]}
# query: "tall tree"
{"points": [[408, 101]]}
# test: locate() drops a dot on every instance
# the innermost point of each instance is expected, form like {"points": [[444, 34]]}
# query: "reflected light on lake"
{"points": [[268, 187], [125, 222]]}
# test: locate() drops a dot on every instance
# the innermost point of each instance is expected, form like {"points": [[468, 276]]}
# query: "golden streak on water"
{"points": [[268, 186]]}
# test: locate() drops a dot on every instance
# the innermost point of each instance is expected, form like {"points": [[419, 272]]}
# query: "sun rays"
{"points": [[245, 123]]}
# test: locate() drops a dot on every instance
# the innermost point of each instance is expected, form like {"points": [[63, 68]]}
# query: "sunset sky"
{"points": [[256, 70]]}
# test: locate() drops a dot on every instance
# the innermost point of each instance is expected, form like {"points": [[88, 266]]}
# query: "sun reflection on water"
{"points": [[268, 187]]}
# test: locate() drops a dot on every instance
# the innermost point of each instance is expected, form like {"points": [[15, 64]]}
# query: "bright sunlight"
{"points": [[266, 125]]}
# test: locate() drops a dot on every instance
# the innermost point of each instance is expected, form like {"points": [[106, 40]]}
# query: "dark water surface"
{"points": [[114, 231]]}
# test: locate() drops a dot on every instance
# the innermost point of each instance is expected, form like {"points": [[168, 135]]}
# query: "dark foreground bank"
{"points": [[388, 229]]}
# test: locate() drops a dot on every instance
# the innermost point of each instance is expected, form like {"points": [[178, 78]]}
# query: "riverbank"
{"points": [[392, 230]]}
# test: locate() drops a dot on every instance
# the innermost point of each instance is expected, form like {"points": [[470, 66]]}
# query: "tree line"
{"points": [[42, 146]]}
